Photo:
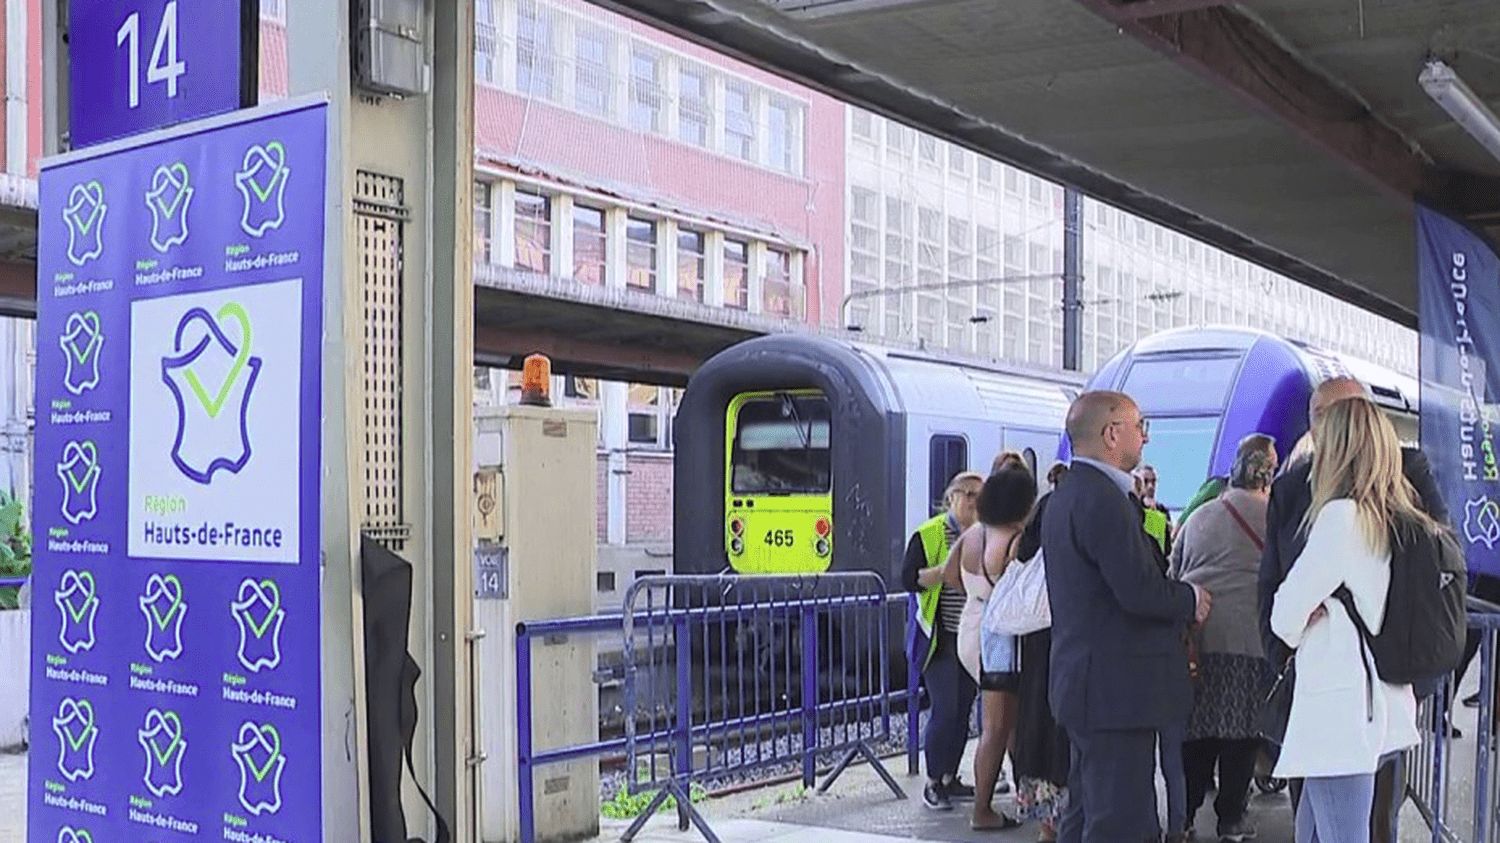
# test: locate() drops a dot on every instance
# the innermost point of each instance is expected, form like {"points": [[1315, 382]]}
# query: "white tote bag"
{"points": [[1019, 605]]}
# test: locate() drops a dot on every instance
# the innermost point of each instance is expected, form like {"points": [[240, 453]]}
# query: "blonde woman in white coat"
{"points": [[1344, 719]]}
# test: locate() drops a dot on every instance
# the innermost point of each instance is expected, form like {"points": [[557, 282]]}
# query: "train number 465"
{"points": [[779, 538]]}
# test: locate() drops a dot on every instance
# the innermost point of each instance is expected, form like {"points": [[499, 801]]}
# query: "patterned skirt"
{"points": [[1228, 696]]}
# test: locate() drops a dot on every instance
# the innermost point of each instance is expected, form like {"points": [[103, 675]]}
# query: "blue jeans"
{"points": [[1336, 809], [1169, 746]]}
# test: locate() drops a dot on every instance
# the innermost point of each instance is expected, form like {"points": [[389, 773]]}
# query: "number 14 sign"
{"points": [[136, 65]]}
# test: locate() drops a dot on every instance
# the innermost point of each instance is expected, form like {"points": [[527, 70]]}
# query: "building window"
{"points": [[736, 274], [864, 253], [692, 261], [864, 125], [486, 41], [898, 138], [958, 160], [645, 91], [927, 149], [776, 283], [535, 52], [533, 231], [592, 86], [483, 214], [581, 389], [640, 253], [1013, 181], [784, 138], [694, 110], [588, 244], [986, 172], [644, 407], [739, 122]]}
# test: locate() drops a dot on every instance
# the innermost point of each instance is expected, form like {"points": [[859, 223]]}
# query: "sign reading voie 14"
{"points": [[176, 632], [136, 65]]}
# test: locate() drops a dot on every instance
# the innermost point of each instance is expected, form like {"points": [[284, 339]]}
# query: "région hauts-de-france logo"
{"points": [[259, 615], [79, 473], [257, 752], [84, 217], [78, 600], [162, 739], [168, 202], [1482, 521], [81, 342], [262, 182], [213, 432], [164, 608], [69, 834], [76, 736]]}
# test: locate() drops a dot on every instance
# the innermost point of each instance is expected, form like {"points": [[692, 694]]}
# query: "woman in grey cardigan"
{"points": [[1219, 550]]}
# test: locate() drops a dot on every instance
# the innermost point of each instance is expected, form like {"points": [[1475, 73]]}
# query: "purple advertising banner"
{"points": [[136, 65], [176, 628], [1459, 277]]}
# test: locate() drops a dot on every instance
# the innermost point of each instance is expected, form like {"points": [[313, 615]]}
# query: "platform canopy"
{"points": [[1293, 133]]}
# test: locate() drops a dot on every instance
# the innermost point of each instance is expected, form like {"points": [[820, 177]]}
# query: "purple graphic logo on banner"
{"points": [[1460, 320], [176, 642]]}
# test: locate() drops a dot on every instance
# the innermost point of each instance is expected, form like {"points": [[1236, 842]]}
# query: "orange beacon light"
{"points": [[536, 381]]}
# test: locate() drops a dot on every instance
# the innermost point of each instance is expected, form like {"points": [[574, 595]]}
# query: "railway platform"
{"points": [[861, 810]]}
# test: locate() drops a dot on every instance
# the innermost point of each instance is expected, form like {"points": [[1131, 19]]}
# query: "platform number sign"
{"points": [[165, 67], [137, 65]]}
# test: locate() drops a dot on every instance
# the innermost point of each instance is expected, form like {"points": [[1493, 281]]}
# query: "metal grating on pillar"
{"points": [[381, 213]]}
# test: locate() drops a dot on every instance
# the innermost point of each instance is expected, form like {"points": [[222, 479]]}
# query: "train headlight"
{"points": [[822, 547], [737, 546], [823, 527], [737, 526]]}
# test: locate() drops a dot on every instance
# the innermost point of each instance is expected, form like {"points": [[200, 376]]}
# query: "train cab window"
{"points": [[1181, 384], [947, 456], [781, 446], [1029, 455], [1181, 450]]}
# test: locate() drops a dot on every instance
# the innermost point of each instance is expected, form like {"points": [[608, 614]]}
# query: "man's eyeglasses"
{"points": [[1144, 425]]}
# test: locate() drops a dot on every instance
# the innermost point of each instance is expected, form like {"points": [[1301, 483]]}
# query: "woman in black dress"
{"points": [[1040, 751]]}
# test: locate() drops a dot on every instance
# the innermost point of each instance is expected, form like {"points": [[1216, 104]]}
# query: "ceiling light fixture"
{"points": [[1462, 104]]}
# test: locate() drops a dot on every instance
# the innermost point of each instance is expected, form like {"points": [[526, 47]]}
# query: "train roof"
{"points": [[1391, 389], [920, 382]]}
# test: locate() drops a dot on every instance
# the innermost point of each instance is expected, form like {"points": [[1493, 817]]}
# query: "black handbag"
{"points": [[1277, 708]]}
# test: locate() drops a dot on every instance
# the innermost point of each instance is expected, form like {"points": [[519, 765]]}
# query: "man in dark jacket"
{"points": [[1291, 496], [1119, 666]]}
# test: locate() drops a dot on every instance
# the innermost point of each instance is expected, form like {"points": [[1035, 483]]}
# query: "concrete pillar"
{"points": [[562, 236], [17, 36], [425, 142], [666, 258], [614, 428]]}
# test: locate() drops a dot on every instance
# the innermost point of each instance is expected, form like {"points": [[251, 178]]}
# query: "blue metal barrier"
{"points": [[1430, 767], [702, 675], [13, 582]]}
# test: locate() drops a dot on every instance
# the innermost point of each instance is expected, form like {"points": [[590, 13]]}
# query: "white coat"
{"points": [[1343, 719]]}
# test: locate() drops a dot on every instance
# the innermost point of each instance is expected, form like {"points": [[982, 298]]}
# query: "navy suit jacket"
{"points": [[1118, 657]]}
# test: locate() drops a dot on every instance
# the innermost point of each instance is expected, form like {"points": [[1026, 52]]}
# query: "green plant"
{"points": [[628, 806], [15, 547]]}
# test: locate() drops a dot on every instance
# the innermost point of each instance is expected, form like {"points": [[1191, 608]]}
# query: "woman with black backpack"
{"points": [[1344, 716]]}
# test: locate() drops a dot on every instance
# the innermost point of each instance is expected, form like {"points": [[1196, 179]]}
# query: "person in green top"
{"points": [[934, 640]]}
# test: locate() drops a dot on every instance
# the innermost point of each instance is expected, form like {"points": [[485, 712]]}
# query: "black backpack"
{"points": [[1422, 638]]}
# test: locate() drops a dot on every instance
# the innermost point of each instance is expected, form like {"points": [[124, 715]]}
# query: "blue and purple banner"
{"points": [[1459, 279], [175, 646]]}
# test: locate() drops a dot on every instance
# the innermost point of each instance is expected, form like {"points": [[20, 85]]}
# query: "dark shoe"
{"points": [[935, 797], [1236, 832], [959, 792], [1471, 701], [1455, 732]]}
